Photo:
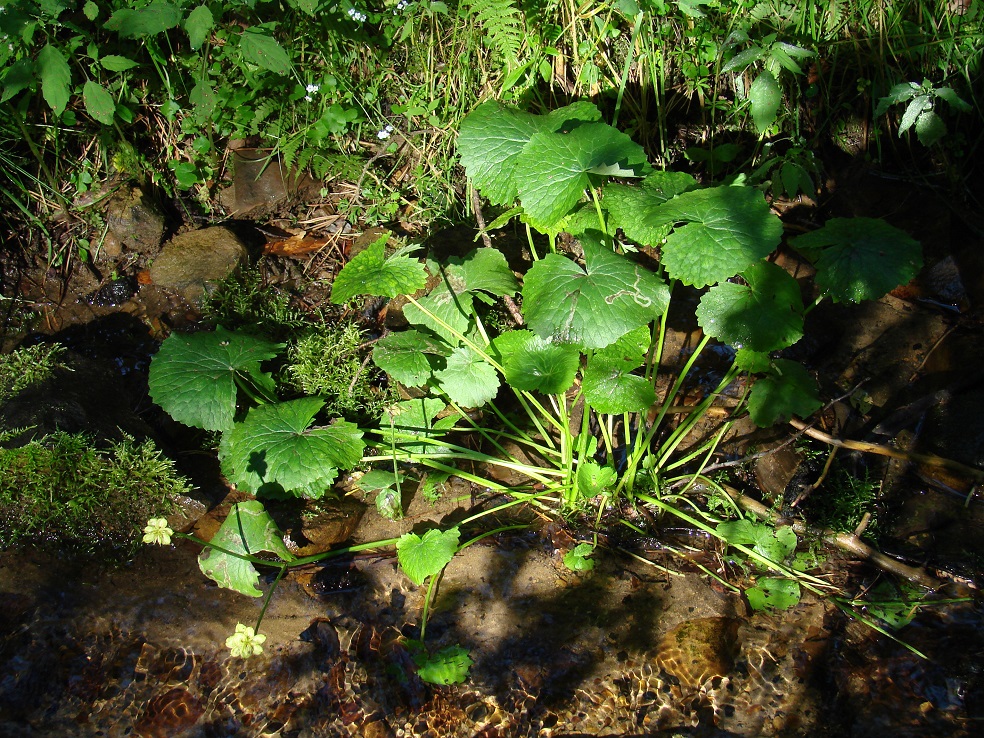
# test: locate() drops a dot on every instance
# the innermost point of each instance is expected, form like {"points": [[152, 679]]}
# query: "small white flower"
{"points": [[245, 642], [158, 531], [308, 98], [357, 16], [384, 133], [311, 89]]}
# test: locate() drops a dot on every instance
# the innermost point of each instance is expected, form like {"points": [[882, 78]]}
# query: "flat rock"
{"points": [[189, 261]]}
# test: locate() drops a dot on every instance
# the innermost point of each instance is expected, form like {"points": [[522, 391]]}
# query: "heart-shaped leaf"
{"points": [[422, 557], [630, 207], [492, 138], [766, 314], [468, 379], [538, 365], [193, 376], [410, 356], [725, 230], [553, 172], [273, 450], [593, 306]]}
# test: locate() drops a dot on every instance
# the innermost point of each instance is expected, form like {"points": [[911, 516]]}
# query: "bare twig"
{"points": [[845, 541]]}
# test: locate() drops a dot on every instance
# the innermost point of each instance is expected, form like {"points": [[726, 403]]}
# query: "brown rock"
{"points": [[187, 262]]}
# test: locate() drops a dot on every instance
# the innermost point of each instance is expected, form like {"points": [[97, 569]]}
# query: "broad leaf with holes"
{"points": [[719, 232], [766, 314], [422, 557], [787, 391], [371, 273], [248, 530], [555, 168], [775, 593], [595, 305], [194, 376], [860, 258], [492, 138], [275, 451]]}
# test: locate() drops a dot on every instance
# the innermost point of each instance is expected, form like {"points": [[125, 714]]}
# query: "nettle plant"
{"points": [[568, 398]]}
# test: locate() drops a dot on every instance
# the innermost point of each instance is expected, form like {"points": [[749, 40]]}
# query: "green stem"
{"points": [[269, 596]]}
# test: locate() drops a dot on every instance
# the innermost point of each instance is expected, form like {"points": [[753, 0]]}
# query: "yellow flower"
{"points": [[157, 531], [245, 642]]}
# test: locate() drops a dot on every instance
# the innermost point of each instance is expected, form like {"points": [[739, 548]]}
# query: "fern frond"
{"points": [[262, 112], [502, 24], [289, 149]]}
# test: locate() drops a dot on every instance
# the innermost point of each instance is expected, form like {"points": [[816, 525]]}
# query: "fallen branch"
{"points": [[873, 448]]}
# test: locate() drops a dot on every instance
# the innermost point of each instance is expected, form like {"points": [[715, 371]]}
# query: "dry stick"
{"points": [[480, 219], [873, 448], [845, 541]]}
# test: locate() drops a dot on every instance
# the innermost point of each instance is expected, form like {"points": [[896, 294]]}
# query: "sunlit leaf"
{"points": [[720, 232], [371, 273], [422, 557], [274, 450], [766, 314], [248, 530], [553, 172], [193, 376], [773, 593], [468, 379], [591, 306]]}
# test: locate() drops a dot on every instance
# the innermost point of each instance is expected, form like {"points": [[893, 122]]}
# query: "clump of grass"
{"points": [[243, 301], [27, 365], [60, 492], [330, 361], [845, 501]]}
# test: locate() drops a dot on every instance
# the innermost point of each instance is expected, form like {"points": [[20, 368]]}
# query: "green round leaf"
{"points": [[273, 450], [725, 230], [193, 376], [410, 356], [769, 592], [424, 557], [468, 379], [552, 173], [610, 388], [764, 315], [542, 366], [593, 306], [860, 258]]}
